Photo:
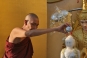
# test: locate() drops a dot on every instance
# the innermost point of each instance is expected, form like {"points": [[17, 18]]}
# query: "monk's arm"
{"points": [[17, 32]]}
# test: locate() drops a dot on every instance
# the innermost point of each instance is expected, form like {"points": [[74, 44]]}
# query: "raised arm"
{"points": [[21, 33], [18, 32]]}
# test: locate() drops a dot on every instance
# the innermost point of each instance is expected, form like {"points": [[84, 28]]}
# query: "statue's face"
{"points": [[69, 43], [84, 24]]}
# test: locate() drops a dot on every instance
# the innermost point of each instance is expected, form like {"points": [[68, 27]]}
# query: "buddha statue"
{"points": [[70, 51]]}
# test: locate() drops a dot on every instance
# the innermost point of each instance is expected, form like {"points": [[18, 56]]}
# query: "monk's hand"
{"points": [[62, 28]]}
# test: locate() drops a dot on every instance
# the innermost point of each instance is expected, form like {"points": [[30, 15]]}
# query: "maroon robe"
{"points": [[23, 49]]}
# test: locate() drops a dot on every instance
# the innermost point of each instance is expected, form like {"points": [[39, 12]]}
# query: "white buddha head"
{"points": [[70, 41]]}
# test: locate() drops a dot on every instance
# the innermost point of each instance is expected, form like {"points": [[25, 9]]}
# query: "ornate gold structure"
{"points": [[80, 34], [83, 14], [84, 4]]}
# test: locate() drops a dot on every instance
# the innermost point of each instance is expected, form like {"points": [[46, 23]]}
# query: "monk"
{"points": [[18, 43]]}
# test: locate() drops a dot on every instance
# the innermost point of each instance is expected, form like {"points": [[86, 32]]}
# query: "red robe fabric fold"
{"points": [[23, 49]]}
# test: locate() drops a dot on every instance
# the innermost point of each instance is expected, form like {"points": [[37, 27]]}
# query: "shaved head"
{"points": [[31, 15], [31, 21]]}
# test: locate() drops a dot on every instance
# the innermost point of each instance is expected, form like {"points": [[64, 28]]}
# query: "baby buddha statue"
{"points": [[70, 51]]}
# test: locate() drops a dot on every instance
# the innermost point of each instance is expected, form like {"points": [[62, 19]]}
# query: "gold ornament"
{"points": [[83, 14]]}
